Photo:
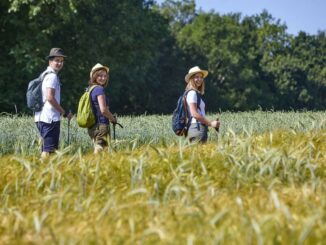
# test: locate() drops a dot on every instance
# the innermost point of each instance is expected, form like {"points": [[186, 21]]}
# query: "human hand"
{"points": [[215, 124], [70, 115], [114, 120], [67, 115]]}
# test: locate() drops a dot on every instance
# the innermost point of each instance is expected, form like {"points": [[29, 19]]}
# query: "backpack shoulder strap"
{"points": [[44, 74], [198, 100], [184, 100], [186, 93], [90, 89], [198, 96]]}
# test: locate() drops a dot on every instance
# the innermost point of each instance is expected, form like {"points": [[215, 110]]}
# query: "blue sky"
{"points": [[305, 15]]}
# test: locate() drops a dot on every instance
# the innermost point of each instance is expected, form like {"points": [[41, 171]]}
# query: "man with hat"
{"points": [[48, 119]]}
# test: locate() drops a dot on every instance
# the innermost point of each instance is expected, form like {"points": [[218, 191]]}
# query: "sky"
{"points": [[298, 15]]}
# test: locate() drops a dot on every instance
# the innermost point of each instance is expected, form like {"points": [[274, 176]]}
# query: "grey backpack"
{"points": [[34, 93]]}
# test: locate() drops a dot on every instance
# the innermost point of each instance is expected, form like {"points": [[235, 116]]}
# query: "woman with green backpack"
{"points": [[99, 133]]}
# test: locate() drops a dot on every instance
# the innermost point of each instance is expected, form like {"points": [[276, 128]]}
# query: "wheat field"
{"points": [[261, 180]]}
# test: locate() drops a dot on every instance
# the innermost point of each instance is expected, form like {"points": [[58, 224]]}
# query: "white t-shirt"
{"points": [[192, 98], [48, 113]]}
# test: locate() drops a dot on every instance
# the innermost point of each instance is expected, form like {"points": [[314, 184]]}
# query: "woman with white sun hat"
{"points": [[99, 133], [198, 129]]}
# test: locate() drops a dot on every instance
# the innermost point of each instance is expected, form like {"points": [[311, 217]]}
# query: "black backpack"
{"points": [[181, 118], [34, 93]]}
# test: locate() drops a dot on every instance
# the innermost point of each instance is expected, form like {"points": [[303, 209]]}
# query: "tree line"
{"points": [[253, 62]]}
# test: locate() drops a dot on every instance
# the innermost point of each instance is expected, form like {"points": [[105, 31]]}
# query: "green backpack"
{"points": [[85, 114]]}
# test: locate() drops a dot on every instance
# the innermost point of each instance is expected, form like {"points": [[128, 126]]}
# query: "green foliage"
{"points": [[275, 66], [178, 13], [253, 62], [236, 51], [126, 35]]}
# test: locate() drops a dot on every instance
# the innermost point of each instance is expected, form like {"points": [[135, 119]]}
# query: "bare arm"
{"points": [[200, 118], [105, 109], [50, 97], [196, 115]]}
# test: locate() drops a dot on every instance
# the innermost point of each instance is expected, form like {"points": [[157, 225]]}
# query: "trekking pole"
{"points": [[114, 127], [113, 131], [114, 124], [68, 136], [218, 128], [119, 125]]}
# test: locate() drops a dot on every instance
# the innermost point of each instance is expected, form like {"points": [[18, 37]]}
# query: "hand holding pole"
{"points": [[218, 125]]}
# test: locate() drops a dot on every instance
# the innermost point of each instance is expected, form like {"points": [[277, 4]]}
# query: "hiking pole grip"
{"points": [[218, 128], [116, 123], [119, 124], [114, 128]]}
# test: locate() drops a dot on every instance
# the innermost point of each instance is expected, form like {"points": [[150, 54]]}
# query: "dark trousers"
{"points": [[50, 135]]}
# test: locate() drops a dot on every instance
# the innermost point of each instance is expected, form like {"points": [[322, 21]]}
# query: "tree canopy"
{"points": [[252, 61]]}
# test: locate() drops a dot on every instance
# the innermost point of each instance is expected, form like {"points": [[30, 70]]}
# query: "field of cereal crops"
{"points": [[262, 180]]}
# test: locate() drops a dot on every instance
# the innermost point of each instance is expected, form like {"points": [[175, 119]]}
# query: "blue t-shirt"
{"points": [[99, 90]]}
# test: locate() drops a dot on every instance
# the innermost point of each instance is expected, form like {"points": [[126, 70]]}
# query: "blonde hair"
{"points": [[93, 81], [191, 85]]}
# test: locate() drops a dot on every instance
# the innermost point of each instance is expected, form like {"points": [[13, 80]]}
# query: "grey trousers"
{"points": [[197, 132]]}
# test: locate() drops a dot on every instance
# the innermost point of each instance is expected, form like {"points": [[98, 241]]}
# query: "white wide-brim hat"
{"points": [[195, 70], [97, 67]]}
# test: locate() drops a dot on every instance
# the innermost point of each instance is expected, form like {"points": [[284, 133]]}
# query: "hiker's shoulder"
{"points": [[51, 77], [191, 93], [98, 90], [49, 74], [49, 71]]}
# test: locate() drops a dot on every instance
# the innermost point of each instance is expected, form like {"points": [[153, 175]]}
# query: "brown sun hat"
{"points": [[55, 52]]}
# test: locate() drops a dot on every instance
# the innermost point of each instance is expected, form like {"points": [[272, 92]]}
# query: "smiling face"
{"points": [[101, 77], [56, 63], [198, 79], [196, 82]]}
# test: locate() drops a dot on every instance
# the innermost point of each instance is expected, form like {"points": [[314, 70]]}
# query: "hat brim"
{"points": [[100, 68], [189, 75], [52, 56]]}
